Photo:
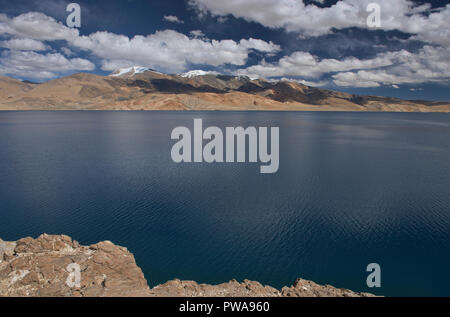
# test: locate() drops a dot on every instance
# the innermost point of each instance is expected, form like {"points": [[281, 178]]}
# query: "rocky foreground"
{"points": [[39, 268]]}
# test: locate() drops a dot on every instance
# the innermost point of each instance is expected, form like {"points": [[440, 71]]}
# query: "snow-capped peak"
{"points": [[130, 71], [195, 73]]}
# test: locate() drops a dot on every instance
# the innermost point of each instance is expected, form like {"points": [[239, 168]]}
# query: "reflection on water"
{"points": [[352, 189]]}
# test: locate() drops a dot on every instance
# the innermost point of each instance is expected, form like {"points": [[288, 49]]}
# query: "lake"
{"points": [[351, 189]]}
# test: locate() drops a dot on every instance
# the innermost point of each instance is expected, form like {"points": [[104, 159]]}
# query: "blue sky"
{"points": [[321, 43]]}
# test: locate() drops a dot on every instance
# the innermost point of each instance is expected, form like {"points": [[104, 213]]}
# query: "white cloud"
{"points": [[311, 20], [197, 34], [40, 66], [435, 29], [67, 51], [304, 64], [430, 64], [260, 45], [172, 51], [222, 19], [173, 19], [362, 79], [166, 50], [37, 26], [307, 82], [23, 44]]}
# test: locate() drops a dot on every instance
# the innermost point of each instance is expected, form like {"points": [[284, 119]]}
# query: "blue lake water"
{"points": [[352, 189]]}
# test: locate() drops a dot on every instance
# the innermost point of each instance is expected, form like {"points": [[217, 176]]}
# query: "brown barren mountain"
{"points": [[150, 90], [9, 88]]}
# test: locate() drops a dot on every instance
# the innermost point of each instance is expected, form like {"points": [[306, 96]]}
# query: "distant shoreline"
{"points": [[155, 91], [224, 111]]}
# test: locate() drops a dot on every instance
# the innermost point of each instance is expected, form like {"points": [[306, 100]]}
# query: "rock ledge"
{"points": [[40, 268]]}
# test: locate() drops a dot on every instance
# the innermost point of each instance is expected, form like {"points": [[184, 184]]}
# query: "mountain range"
{"points": [[140, 88]]}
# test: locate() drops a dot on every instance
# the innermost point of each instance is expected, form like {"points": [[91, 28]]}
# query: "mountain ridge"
{"points": [[140, 88]]}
